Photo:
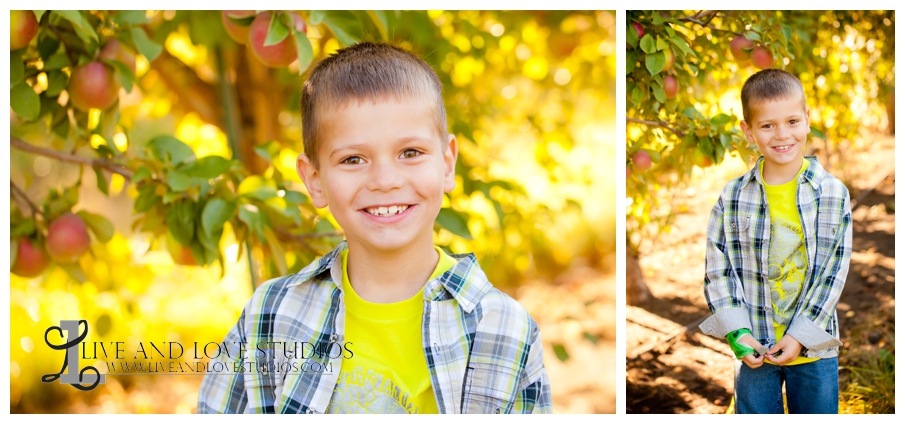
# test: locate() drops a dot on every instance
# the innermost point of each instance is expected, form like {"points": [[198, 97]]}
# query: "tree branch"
{"points": [[22, 196], [656, 124], [696, 19], [65, 157]]}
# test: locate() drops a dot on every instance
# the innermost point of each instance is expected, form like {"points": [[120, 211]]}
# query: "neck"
{"points": [[781, 173], [391, 276]]}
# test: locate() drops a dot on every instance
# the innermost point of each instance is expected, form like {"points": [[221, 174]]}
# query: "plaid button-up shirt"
{"points": [[483, 350], [738, 243]]}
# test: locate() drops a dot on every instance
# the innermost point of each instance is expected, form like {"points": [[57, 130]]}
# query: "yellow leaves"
{"points": [[205, 139], [465, 69]]}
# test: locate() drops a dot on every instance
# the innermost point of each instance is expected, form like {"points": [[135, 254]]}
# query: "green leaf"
{"points": [[662, 44], [247, 21], [167, 147], [590, 337], [648, 44], [561, 353], [207, 167], [257, 187], [279, 255], [631, 59], [24, 228], [380, 21], [216, 212], [16, 67], [304, 50], [80, 24], [295, 197], [753, 36], [725, 140], [269, 150], [145, 46], [181, 221], [454, 222], [720, 120], [146, 199], [345, 26], [631, 35], [659, 93], [657, 19], [100, 226], [178, 181], [637, 95], [277, 31], [692, 113], [57, 61], [655, 62], [131, 17], [817, 133], [251, 216], [126, 77], [142, 174], [56, 82], [316, 17], [786, 32], [682, 45], [101, 180], [74, 271], [24, 101]]}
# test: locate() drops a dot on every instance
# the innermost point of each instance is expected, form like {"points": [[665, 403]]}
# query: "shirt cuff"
{"points": [[811, 335], [726, 321]]}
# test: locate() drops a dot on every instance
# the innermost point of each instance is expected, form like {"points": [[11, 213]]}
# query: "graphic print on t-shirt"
{"points": [[786, 268], [361, 391]]}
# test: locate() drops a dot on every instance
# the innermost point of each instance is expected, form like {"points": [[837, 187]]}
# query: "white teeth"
{"points": [[387, 210], [783, 148]]}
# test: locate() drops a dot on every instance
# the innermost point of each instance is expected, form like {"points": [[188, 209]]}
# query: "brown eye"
{"points": [[410, 153], [352, 160]]}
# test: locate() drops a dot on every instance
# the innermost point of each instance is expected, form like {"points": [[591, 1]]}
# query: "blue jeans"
{"points": [[811, 388]]}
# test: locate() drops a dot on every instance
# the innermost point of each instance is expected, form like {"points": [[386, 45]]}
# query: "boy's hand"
{"points": [[753, 360], [790, 349]]}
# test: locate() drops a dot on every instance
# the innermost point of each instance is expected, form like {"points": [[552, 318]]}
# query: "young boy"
{"points": [[778, 248], [386, 322]]}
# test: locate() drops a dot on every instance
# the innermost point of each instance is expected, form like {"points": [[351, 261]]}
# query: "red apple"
{"points": [[93, 85], [740, 47], [182, 255], [23, 25], [279, 55], [238, 33], [31, 259], [700, 159], [638, 29], [670, 59], [641, 161], [114, 50], [670, 86], [762, 58], [67, 238]]}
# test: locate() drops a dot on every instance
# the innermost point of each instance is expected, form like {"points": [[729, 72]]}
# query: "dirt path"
{"points": [[692, 373]]}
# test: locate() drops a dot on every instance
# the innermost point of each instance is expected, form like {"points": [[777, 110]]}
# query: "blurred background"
{"points": [[685, 70], [172, 136]]}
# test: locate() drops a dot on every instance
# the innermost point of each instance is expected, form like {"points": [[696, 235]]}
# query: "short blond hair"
{"points": [[367, 71], [770, 84]]}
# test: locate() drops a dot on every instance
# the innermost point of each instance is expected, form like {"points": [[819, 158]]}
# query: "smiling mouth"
{"points": [[783, 148], [387, 210]]}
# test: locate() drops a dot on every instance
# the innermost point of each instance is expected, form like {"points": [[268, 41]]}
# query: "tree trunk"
{"points": [[891, 111], [636, 291]]}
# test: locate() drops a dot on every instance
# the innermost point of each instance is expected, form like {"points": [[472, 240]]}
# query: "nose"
{"points": [[384, 175], [782, 132]]}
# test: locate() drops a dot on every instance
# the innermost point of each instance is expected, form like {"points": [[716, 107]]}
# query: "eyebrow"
{"points": [[358, 146], [798, 115]]}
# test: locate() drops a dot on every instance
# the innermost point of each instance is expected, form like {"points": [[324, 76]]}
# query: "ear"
{"points": [[311, 177], [449, 160], [807, 117], [747, 130]]}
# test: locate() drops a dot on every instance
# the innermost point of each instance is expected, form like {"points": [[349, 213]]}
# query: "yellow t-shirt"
{"points": [[788, 259], [387, 372]]}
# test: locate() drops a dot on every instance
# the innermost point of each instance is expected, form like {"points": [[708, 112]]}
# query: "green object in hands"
{"points": [[740, 350]]}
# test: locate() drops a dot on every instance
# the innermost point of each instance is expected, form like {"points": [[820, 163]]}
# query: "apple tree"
{"points": [[684, 71]]}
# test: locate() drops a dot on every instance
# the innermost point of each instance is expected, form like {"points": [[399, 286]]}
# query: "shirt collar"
{"points": [[813, 175], [465, 282]]}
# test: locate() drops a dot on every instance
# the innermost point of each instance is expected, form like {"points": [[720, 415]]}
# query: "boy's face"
{"points": [[383, 171], [780, 129]]}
